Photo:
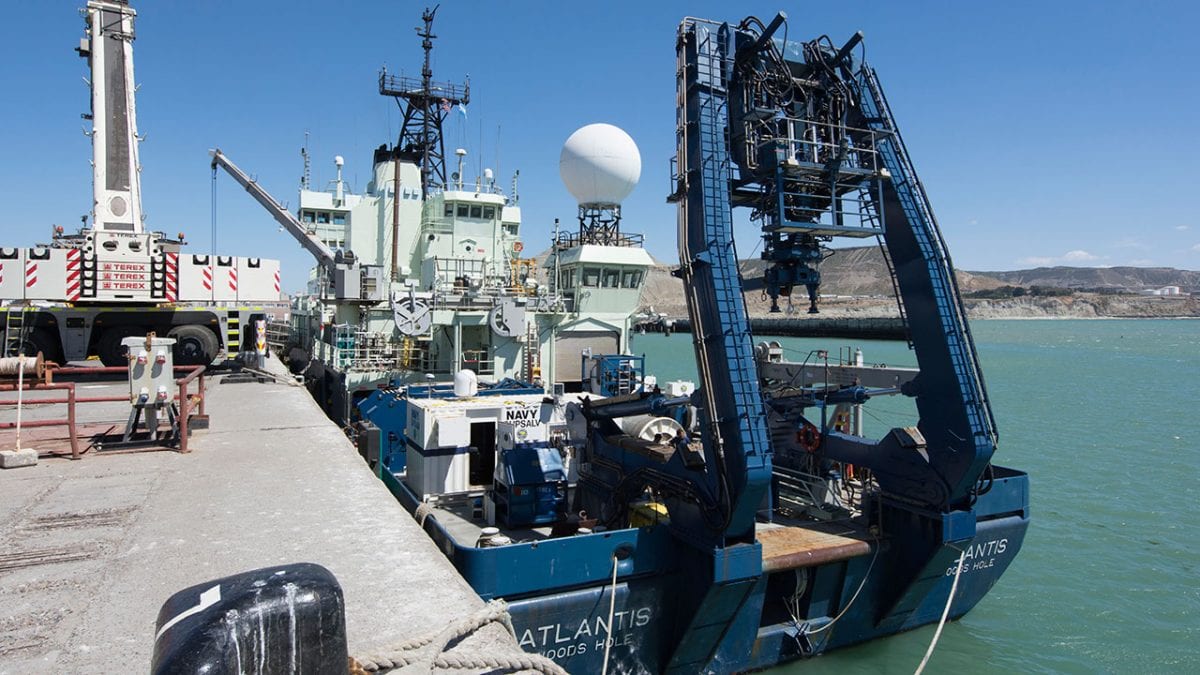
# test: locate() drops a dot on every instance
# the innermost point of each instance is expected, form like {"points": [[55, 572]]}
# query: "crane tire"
{"points": [[109, 348], [194, 345]]}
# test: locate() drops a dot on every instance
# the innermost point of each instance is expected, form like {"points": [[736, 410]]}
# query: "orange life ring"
{"points": [[809, 437]]}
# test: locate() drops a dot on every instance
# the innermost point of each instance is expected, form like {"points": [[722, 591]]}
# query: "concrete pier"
{"points": [[90, 549]]}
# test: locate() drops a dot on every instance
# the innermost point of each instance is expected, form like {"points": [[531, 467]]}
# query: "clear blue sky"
{"points": [[1046, 133]]}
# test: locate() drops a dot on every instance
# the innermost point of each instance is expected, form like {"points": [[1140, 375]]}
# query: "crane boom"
{"points": [[310, 242], [116, 181]]}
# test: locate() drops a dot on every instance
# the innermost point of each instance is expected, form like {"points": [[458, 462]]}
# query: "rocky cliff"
{"points": [[856, 283]]}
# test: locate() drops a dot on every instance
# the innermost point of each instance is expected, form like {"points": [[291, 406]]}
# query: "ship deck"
{"points": [[90, 549], [787, 543]]}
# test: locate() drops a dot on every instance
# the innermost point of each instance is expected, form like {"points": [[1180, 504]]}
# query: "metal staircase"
{"points": [[725, 358], [916, 207]]}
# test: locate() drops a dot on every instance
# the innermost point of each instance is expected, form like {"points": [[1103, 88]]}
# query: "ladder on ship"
{"points": [[406, 352], [950, 311], [533, 352], [16, 330]]}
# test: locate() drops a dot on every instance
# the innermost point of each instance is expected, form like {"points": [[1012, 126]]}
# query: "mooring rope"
{"points": [[423, 511], [612, 606], [945, 612], [429, 653], [852, 598]]}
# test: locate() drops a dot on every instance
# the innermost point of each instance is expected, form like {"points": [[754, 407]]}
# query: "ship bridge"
{"points": [[601, 284]]}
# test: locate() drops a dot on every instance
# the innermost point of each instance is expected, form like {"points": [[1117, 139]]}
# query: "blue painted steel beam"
{"points": [[956, 417], [735, 434]]}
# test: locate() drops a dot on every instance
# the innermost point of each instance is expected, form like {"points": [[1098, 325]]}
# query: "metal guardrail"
{"points": [[566, 240], [68, 421], [191, 407]]}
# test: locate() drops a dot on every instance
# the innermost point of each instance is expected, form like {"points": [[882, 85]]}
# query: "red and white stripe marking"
{"points": [[31, 278], [233, 279], [276, 281], [172, 260], [1, 273], [206, 277], [74, 283]]}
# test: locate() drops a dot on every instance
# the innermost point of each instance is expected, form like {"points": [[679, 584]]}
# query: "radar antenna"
{"points": [[424, 105]]}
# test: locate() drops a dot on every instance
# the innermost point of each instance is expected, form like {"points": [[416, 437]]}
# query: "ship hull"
{"points": [[559, 591]]}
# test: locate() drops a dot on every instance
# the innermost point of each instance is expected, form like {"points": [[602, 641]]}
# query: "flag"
{"points": [[462, 109]]}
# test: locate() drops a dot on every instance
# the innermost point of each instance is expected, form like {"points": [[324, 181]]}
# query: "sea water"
{"points": [[1105, 417]]}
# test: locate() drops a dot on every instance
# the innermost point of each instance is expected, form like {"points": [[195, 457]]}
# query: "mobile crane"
{"points": [[82, 293]]}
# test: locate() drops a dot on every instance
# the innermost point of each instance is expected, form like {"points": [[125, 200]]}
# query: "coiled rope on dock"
{"points": [[29, 366], [431, 652]]}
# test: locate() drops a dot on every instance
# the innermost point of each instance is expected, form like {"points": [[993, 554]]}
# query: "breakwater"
{"points": [[877, 328]]}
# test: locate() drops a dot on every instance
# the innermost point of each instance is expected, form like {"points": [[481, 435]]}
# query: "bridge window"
{"points": [[511, 228], [322, 217], [591, 276], [476, 211], [566, 279], [339, 219], [308, 216], [611, 278], [449, 210], [489, 212], [464, 210], [631, 278]]}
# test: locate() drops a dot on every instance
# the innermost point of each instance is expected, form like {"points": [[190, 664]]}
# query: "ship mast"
{"points": [[424, 104]]}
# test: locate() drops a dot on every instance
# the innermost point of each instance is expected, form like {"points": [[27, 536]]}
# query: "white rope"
{"points": [[13, 366], [852, 599], [422, 512], [20, 392], [612, 606], [21, 383], [431, 652], [945, 612]]}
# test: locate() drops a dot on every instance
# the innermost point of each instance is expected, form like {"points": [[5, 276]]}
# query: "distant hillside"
{"points": [[858, 271], [1131, 279], [861, 272]]}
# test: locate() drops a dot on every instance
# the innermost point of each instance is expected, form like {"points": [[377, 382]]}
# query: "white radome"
{"points": [[600, 165]]}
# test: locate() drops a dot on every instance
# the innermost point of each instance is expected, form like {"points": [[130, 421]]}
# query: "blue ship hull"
{"points": [[559, 591]]}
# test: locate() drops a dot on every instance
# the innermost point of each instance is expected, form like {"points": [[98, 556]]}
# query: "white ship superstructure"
{"points": [[422, 274]]}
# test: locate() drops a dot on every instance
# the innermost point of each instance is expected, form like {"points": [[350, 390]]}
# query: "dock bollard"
{"points": [[260, 343]]}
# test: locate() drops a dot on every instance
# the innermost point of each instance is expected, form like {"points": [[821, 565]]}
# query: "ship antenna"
{"points": [[306, 178], [424, 105]]}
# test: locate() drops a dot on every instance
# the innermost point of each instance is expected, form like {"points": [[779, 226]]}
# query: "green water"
{"points": [[1103, 415]]}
